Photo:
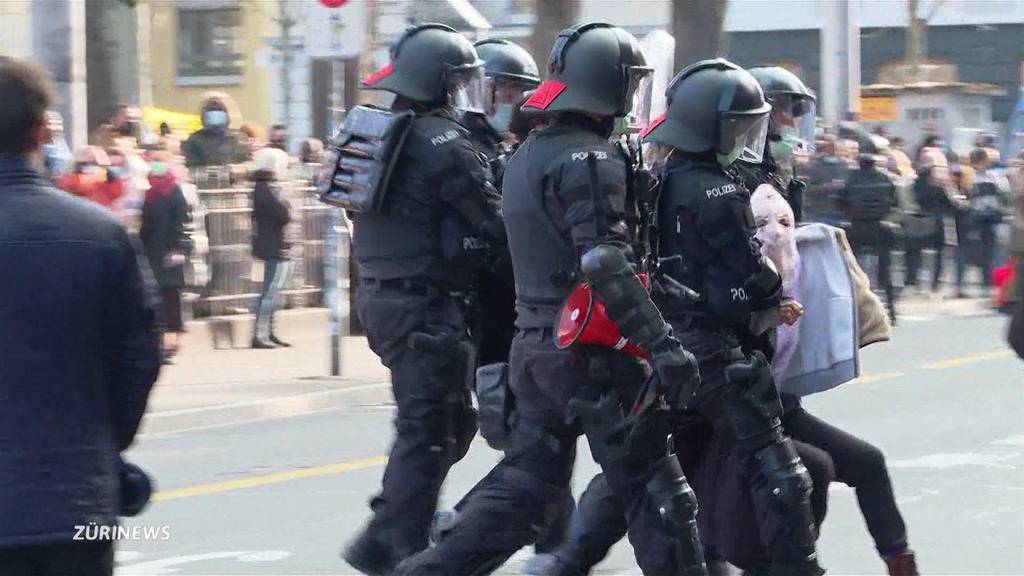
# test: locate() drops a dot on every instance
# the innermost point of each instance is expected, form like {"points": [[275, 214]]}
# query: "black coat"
{"points": [[78, 357], [166, 219], [270, 215]]}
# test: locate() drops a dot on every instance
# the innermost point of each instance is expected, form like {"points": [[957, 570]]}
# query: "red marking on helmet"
{"points": [[379, 75], [544, 95], [652, 125]]}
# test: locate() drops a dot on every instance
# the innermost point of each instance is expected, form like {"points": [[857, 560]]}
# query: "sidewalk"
{"points": [[305, 329], [208, 387]]}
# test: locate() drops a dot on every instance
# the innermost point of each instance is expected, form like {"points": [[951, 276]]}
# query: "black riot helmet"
{"points": [[793, 103], [505, 59], [598, 69], [713, 106], [433, 63], [510, 73]]}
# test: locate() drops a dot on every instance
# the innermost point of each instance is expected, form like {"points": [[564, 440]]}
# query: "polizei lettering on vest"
{"points": [[581, 156], [444, 138], [720, 191]]}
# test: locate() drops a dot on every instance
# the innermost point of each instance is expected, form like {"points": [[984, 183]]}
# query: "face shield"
{"points": [[466, 89], [742, 137], [793, 120], [501, 97], [638, 98]]}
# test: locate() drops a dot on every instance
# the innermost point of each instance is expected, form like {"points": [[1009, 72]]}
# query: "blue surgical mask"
{"points": [[215, 118], [501, 118]]}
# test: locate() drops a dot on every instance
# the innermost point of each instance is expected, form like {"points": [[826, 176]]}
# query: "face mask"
{"points": [[158, 168], [784, 147], [501, 118], [775, 232], [215, 118]]}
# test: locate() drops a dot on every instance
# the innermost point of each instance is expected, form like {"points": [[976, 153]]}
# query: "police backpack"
{"points": [[361, 158]]}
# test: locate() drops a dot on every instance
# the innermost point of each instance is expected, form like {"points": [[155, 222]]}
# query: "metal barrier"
{"points": [[235, 275]]}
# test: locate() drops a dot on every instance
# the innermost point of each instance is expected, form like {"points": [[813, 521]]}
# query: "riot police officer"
{"points": [[716, 117], [868, 200], [790, 134], [564, 204], [510, 73], [408, 294]]}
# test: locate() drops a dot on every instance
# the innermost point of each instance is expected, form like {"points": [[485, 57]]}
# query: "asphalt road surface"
{"points": [[279, 489]]}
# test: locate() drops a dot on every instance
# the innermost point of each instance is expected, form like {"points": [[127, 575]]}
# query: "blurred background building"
{"points": [[298, 62]]}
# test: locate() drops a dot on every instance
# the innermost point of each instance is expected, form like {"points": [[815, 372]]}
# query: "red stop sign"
{"points": [[333, 3]]}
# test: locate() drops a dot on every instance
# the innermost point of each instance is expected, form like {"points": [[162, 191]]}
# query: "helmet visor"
{"points": [[638, 97], [500, 90], [794, 117], [466, 89], [743, 137]]}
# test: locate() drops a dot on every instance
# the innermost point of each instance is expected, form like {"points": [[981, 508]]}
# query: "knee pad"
{"points": [[677, 506], [781, 491], [781, 468]]}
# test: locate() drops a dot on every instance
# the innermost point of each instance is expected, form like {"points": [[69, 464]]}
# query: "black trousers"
{"points": [[861, 466], [914, 246], [435, 421], [71, 558], [877, 239], [506, 510], [718, 468]]}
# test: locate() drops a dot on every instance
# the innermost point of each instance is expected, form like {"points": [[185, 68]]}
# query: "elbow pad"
{"points": [[624, 297]]}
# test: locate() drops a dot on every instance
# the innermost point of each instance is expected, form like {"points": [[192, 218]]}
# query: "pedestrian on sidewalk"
{"points": [[934, 197], [988, 199], [271, 214], [78, 353], [166, 222]]}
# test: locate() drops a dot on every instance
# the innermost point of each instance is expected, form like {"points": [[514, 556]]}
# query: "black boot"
{"points": [[371, 554], [277, 341], [261, 344]]}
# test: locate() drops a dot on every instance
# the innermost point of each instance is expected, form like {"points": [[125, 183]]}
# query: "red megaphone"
{"points": [[584, 320]]}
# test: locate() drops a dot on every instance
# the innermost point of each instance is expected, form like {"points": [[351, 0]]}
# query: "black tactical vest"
{"points": [[403, 239], [543, 256]]}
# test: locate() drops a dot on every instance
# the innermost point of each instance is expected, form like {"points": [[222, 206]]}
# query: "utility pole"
{"points": [[286, 23], [840, 59]]}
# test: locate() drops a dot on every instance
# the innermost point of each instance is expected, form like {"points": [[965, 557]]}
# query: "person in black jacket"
{"points": [[78, 352], [270, 215], [934, 199], [166, 218]]}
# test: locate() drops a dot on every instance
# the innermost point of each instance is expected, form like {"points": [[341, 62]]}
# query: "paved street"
{"points": [[269, 476]]}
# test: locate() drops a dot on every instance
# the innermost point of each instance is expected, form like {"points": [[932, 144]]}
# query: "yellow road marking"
{"points": [[373, 461], [967, 359], [869, 378], [264, 479]]}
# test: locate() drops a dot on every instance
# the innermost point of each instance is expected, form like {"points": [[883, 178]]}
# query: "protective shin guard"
{"points": [[677, 506], [781, 490]]}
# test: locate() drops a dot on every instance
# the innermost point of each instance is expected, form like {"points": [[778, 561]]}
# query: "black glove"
{"points": [[678, 370]]}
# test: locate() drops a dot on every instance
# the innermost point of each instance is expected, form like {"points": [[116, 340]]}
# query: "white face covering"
{"points": [[775, 223]]}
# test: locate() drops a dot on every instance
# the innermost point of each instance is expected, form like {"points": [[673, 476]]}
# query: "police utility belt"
{"points": [[361, 158]]}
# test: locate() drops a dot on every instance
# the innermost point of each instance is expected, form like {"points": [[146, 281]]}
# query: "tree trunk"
{"points": [[697, 28], [552, 17]]}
